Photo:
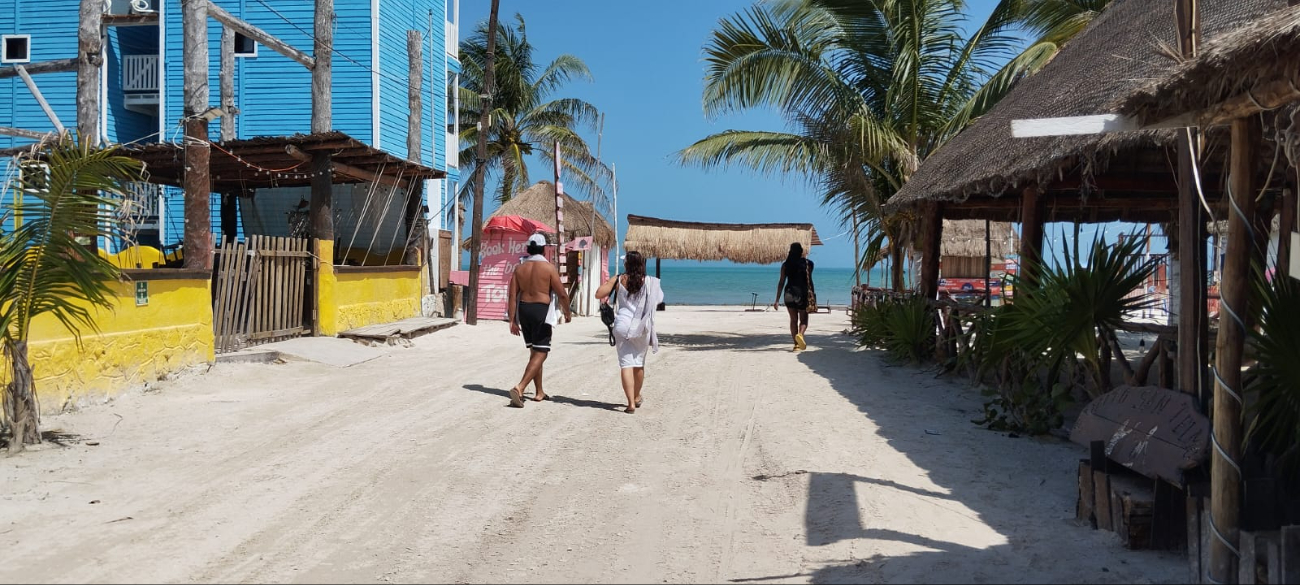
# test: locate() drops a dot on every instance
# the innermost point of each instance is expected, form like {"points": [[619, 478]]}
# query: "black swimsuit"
{"points": [[796, 284]]}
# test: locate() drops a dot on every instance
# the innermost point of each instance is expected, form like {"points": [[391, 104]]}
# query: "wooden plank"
{"points": [[21, 133], [1153, 431], [1247, 567], [262, 37], [224, 263], [227, 83], [250, 294], [1101, 499], [277, 333], [218, 281], [304, 275], [277, 286], [1087, 500], [56, 66], [286, 253], [1131, 503], [40, 99], [1289, 569]]}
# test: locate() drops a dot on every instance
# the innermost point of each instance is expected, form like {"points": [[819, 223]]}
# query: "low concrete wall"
{"points": [[367, 295], [133, 344]]}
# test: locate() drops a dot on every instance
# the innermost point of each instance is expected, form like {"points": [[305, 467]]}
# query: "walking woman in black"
{"points": [[797, 284]]}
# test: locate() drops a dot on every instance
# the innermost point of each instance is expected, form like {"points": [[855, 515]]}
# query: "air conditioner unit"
{"points": [[126, 7]]}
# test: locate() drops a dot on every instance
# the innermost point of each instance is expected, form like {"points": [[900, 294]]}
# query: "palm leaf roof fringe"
{"points": [[965, 237], [1123, 48], [538, 204], [746, 243], [1259, 52]]}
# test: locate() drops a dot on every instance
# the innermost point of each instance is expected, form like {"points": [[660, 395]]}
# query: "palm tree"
{"points": [[868, 88], [71, 191], [525, 118]]}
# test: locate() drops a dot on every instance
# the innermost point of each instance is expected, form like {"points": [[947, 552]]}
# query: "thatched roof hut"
{"points": [[966, 238], [538, 204], [1121, 48], [1244, 62], [751, 243]]}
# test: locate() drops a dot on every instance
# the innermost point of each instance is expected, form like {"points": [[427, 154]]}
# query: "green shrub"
{"points": [[903, 327]]}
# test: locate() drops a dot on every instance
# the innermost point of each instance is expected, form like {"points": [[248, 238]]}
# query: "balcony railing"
{"points": [[140, 73], [453, 40]]}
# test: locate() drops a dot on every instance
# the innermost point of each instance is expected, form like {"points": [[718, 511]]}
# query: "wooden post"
{"points": [[1286, 225], [227, 83], [322, 181], [197, 181], [1225, 474], [988, 264], [415, 232], [40, 99], [1031, 233], [931, 247], [480, 172], [90, 57]]}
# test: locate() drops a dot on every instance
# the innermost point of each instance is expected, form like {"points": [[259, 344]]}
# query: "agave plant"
{"points": [[70, 191], [1275, 377], [902, 327]]}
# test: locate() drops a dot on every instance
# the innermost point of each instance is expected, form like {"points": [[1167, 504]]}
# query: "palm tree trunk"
{"points": [[896, 266], [20, 399]]}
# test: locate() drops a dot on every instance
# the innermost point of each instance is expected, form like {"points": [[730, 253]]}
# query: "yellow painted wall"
{"points": [[369, 298], [133, 345]]}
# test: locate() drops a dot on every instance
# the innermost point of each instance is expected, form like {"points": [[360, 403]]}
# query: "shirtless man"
{"points": [[535, 289]]}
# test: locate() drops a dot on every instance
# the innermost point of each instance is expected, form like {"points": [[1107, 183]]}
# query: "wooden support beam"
{"points": [[198, 243], [1193, 336], [415, 83], [262, 37], [90, 60], [1031, 232], [57, 66], [931, 245], [131, 19], [343, 169], [227, 83], [40, 99], [21, 133], [322, 182], [1225, 474]]}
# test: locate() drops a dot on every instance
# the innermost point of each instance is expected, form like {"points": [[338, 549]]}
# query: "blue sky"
{"points": [[646, 60]]}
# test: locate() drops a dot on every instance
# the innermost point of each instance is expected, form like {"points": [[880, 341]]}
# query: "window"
{"points": [[16, 49], [244, 46]]}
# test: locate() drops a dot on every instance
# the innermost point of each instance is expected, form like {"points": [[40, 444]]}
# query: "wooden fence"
{"points": [[260, 289]]}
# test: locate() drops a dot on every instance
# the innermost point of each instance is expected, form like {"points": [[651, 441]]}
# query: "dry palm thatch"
{"points": [[753, 243], [1120, 51], [966, 238], [1259, 52], [538, 204]]}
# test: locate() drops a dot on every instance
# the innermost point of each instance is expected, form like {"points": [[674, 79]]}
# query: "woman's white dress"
{"points": [[634, 331]]}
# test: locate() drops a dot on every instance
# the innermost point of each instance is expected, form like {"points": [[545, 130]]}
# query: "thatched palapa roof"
{"points": [[966, 238], [1119, 51], [538, 204], [750, 243], [1236, 63]]}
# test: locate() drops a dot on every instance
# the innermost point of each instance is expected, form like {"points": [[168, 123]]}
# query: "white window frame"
{"points": [[239, 55], [4, 48]]}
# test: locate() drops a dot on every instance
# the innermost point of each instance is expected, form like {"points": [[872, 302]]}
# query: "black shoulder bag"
{"points": [[607, 312]]}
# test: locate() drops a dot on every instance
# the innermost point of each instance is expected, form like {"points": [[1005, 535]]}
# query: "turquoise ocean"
{"points": [[694, 283]]}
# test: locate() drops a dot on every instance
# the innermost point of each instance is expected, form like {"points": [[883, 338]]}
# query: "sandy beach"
{"points": [[747, 463]]}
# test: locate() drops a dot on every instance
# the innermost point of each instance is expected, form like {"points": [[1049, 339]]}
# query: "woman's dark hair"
{"points": [[634, 264], [796, 252]]}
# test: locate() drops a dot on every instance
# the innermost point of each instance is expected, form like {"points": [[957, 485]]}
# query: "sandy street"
{"points": [[747, 463]]}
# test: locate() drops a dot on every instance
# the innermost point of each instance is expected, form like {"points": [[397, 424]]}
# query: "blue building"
{"points": [[142, 80]]}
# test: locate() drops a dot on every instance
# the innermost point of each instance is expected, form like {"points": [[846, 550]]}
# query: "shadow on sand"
{"points": [[556, 398]]}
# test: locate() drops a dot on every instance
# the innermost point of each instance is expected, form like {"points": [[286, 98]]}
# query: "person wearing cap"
{"points": [[535, 293]]}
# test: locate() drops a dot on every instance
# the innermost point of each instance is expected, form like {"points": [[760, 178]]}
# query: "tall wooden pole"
{"points": [[1031, 233], [197, 180], [857, 252], [227, 83], [415, 141], [1193, 333], [480, 166], [90, 58], [322, 181], [988, 264], [931, 247], [1225, 470]]}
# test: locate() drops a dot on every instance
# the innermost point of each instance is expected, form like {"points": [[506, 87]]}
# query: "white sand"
{"points": [[748, 463]]}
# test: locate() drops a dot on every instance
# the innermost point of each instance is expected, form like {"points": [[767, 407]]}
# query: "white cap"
{"points": [[537, 239]]}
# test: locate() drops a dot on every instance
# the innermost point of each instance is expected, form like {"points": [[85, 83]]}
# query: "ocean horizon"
{"points": [[712, 284]]}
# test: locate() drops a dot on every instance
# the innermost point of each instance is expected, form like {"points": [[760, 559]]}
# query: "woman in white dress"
{"points": [[637, 297]]}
